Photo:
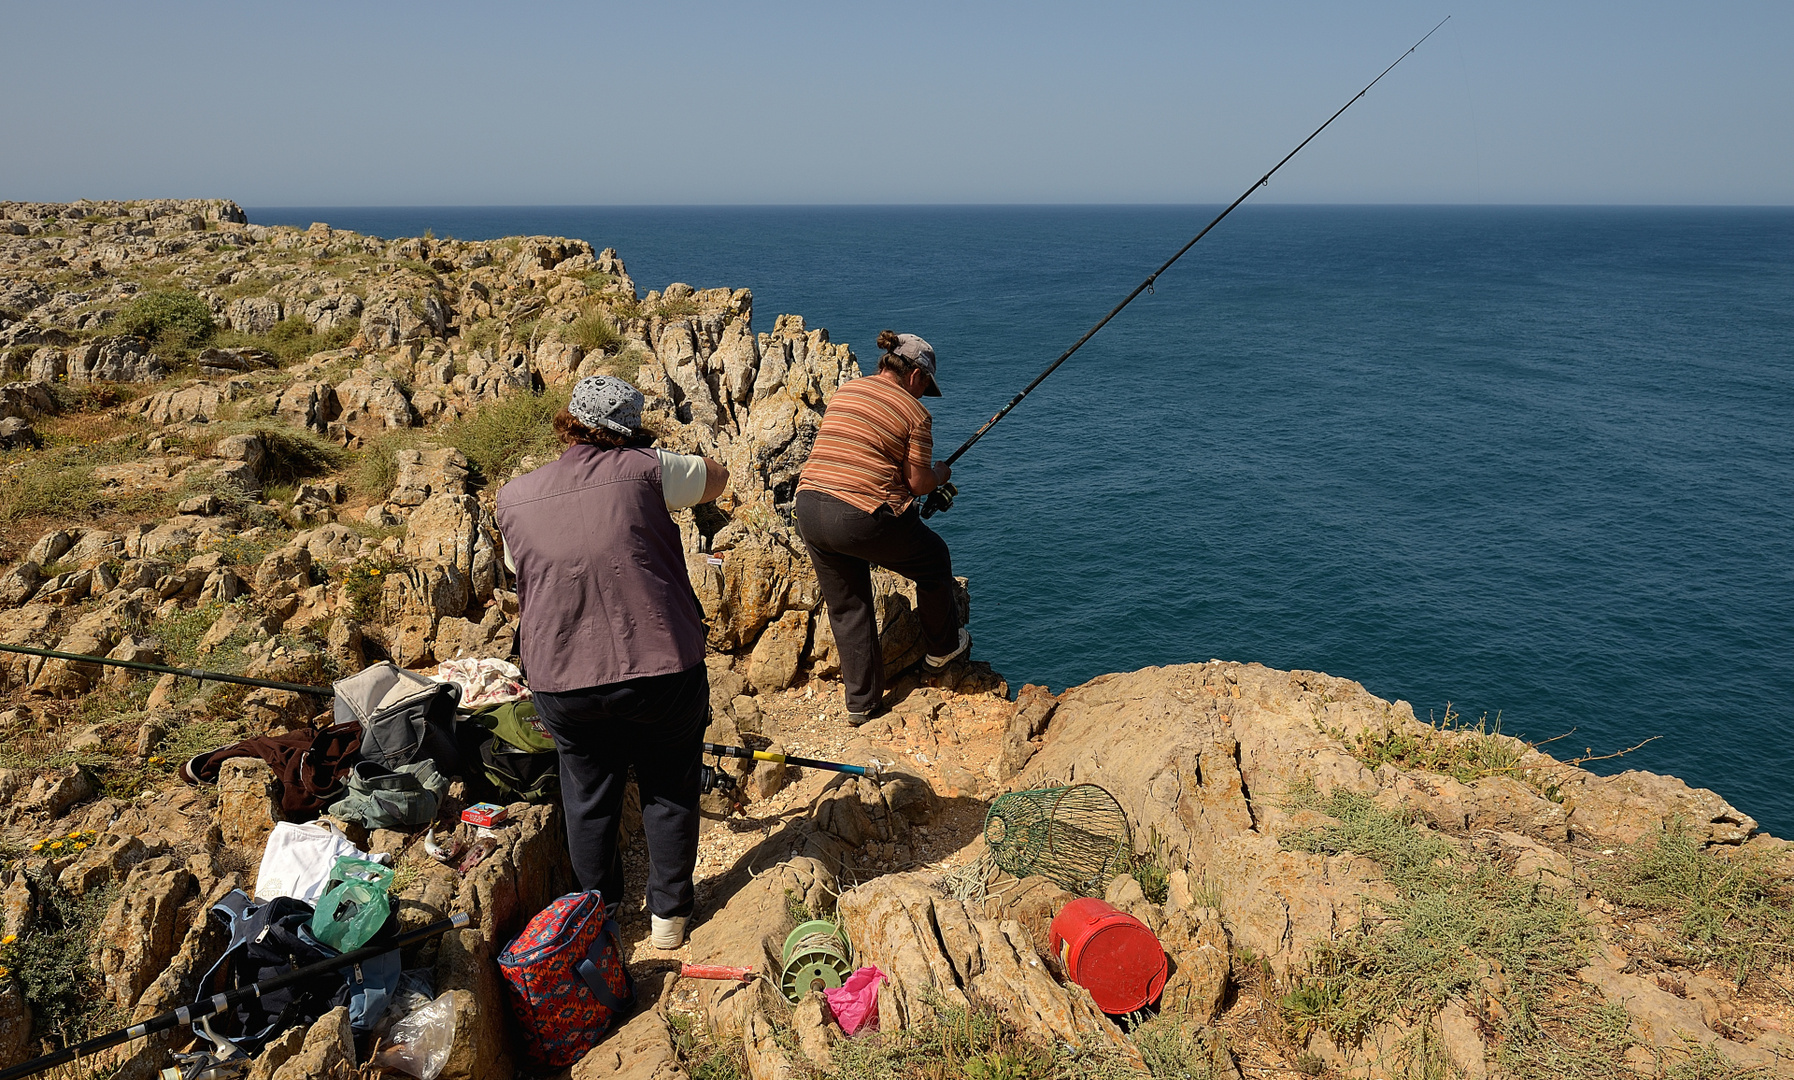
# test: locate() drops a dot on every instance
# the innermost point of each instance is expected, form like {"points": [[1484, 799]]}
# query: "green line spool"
{"points": [[816, 957], [1077, 836]]}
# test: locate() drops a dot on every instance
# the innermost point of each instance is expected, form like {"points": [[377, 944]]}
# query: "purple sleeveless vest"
{"points": [[600, 571]]}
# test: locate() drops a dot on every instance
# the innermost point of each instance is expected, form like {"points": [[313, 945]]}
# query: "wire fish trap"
{"points": [[1077, 836], [816, 957]]}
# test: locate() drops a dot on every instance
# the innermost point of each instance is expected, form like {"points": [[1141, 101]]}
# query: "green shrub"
{"points": [[377, 464], [232, 498], [703, 1055], [1732, 911], [1465, 752], [179, 636], [364, 583], [1455, 917], [255, 285], [1148, 868], [481, 334], [54, 969], [594, 333], [289, 340], [497, 436], [90, 397], [627, 365], [293, 339], [676, 309], [294, 453], [975, 1043], [1175, 1049], [174, 320], [46, 488]]}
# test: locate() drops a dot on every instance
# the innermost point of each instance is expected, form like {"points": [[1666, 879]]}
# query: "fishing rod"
{"points": [[191, 673], [712, 778], [786, 759], [302, 688], [230, 999], [933, 505]]}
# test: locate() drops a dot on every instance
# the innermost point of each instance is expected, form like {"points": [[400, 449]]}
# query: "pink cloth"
{"points": [[855, 1003]]}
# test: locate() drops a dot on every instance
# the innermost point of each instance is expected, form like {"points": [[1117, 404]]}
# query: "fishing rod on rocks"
{"points": [[191, 673], [942, 498], [328, 691], [230, 999], [714, 779]]}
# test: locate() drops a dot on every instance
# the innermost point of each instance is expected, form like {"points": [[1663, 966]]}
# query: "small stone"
{"points": [[55, 792]]}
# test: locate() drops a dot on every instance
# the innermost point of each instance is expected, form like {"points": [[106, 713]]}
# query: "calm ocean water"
{"points": [[1530, 461]]}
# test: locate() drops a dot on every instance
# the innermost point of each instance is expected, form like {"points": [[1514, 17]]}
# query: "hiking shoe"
{"points": [[666, 933], [860, 719], [937, 662]]}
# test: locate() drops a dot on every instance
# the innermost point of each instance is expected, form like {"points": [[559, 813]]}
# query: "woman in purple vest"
{"points": [[612, 638]]}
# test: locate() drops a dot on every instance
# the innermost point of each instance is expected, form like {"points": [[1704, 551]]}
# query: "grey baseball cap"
{"points": [[605, 401], [920, 353]]}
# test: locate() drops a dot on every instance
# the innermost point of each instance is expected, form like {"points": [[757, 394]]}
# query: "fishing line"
{"points": [[943, 498]]}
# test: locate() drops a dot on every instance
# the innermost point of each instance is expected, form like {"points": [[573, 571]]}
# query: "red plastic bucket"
{"points": [[1109, 953]]}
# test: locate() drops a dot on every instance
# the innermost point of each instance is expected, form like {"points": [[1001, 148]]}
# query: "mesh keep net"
{"points": [[1077, 836]]}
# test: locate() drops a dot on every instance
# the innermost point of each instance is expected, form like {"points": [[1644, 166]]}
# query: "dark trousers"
{"points": [[845, 543], [655, 724]]}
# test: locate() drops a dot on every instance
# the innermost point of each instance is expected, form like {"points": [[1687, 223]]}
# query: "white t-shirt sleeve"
{"points": [[682, 479]]}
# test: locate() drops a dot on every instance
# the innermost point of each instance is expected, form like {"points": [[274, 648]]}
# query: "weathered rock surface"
{"points": [[327, 1053], [936, 949]]}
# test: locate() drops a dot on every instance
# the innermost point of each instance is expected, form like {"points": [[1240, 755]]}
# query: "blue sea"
{"points": [[1536, 463]]}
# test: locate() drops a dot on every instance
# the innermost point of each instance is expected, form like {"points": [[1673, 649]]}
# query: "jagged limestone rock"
{"points": [[937, 950], [142, 928], [328, 1052], [773, 663]]}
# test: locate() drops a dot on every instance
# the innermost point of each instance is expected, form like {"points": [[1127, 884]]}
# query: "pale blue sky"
{"points": [[367, 103]]}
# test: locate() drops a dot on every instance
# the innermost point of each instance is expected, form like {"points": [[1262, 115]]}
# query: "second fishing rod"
{"points": [[200, 675], [942, 499]]}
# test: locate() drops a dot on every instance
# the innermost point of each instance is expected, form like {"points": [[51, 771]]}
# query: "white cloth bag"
{"points": [[298, 860]]}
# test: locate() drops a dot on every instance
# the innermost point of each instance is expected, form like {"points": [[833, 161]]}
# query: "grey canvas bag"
{"points": [[401, 798], [404, 716]]}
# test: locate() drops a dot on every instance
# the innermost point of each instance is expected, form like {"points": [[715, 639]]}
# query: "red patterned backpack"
{"points": [[567, 979]]}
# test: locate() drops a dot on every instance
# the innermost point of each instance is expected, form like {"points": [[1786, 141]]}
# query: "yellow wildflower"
{"points": [[80, 845], [55, 845], [39, 846], [9, 939], [5, 972], [373, 572]]}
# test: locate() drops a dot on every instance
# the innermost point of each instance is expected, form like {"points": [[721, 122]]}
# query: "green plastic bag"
{"points": [[354, 906]]}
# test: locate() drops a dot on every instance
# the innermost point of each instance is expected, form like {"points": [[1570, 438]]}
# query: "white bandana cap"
{"points": [[605, 401]]}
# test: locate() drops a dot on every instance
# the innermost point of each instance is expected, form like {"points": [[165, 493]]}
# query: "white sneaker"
{"points": [[965, 642], [666, 933]]}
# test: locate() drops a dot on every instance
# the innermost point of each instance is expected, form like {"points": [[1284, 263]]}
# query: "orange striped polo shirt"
{"points": [[872, 428]]}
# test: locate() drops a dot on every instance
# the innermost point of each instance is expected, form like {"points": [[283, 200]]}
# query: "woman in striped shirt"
{"points": [[857, 507]]}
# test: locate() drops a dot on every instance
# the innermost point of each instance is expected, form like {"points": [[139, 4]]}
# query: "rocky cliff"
{"points": [[273, 451]]}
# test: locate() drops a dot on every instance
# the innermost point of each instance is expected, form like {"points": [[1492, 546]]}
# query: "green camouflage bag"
{"points": [[519, 758]]}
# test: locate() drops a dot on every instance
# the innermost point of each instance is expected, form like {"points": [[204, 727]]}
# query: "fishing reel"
{"points": [[714, 780], [711, 778], [940, 500]]}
